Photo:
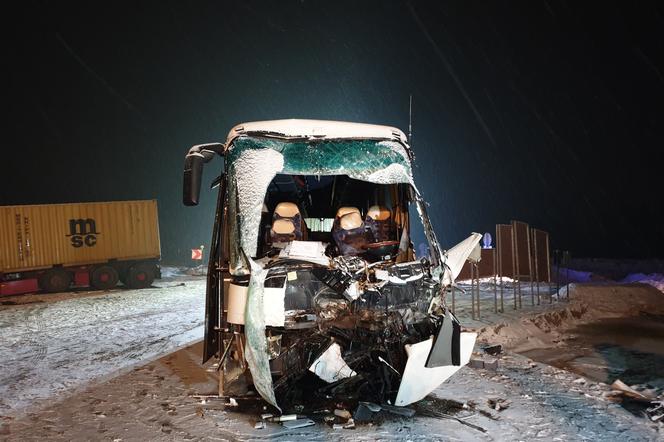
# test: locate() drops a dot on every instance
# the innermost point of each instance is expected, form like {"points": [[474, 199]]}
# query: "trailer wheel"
{"points": [[55, 280], [140, 276], [104, 278]]}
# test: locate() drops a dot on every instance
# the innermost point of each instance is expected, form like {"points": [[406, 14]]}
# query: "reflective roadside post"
{"points": [[567, 258], [197, 255], [486, 244], [556, 261]]}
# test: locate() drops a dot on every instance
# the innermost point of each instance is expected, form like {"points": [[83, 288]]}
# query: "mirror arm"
{"points": [[207, 151]]}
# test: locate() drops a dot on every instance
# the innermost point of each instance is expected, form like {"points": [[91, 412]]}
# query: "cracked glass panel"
{"points": [[254, 162], [256, 347], [358, 159]]}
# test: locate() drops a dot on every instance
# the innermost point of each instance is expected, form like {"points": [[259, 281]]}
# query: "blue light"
{"points": [[486, 241]]}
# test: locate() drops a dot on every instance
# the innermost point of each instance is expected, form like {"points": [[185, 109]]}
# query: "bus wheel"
{"points": [[55, 280], [140, 276], [104, 278]]}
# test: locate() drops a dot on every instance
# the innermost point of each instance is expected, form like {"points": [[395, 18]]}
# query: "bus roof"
{"points": [[316, 129]]}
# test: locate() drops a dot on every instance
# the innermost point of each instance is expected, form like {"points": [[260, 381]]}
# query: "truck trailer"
{"points": [[51, 247]]}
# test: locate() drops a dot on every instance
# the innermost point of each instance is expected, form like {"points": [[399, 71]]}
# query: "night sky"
{"points": [[543, 111]]}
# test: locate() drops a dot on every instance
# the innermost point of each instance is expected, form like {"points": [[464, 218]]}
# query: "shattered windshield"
{"points": [[356, 158], [254, 163]]}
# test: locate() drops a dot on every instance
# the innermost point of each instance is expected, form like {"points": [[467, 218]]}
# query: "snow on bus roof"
{"points": [[317, 129]]}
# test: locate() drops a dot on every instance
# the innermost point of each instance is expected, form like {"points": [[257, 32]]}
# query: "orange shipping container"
{"points": [[42, 236]]}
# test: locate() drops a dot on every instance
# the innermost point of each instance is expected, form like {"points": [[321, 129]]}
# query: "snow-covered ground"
{"points": [[154, 402], [654, 279], [565, 275], [55, 344], [83, 366]]}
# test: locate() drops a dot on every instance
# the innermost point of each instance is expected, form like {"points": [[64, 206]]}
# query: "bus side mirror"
{"points": [[193, 174], [193, 170]]}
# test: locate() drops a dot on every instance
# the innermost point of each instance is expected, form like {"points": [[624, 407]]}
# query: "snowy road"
{"points": [[56, 344], [69, 340]]}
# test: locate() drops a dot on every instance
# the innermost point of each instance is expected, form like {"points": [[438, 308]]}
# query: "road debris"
{"points": [[493, 350], [498, 404], [656, 412], [344, 414], [365, 411], [298, 423], [629, 392]]}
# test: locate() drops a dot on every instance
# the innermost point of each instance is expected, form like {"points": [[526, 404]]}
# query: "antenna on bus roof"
{"points": [[410, 120]]}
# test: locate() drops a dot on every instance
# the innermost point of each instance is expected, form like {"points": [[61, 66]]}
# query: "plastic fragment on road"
{"points": [[498, 404], [298, 423], [330, 366], [344, 414], [399, 411], [493, 350], [363, 412], [418, 380], [628, 391], [283, 418], [656, 412]]}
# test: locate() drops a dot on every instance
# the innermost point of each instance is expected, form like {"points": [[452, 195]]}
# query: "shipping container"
{"points": [[97, 243]]}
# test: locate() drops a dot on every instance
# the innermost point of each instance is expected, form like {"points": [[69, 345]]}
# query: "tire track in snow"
{"points": [[53, 349]]}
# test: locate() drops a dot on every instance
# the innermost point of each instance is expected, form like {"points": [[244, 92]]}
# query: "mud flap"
{"points": [[446, 348]]}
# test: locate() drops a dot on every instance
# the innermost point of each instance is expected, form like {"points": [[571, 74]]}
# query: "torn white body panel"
{"points": [[457, 256], [273, 306], [256, 347], [330, 366], [418, 381], [237, 303]]}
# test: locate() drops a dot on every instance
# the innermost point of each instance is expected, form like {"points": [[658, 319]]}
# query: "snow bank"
{"points": [[654, 279]]}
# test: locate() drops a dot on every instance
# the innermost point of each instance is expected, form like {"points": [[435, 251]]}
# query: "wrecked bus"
{"points": [[314, 290]]}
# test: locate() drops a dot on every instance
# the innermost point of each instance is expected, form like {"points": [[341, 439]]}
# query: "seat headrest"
{"points": [[283, 227], [379, 213], [286, 210], [350, 221], [345, 210]]}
